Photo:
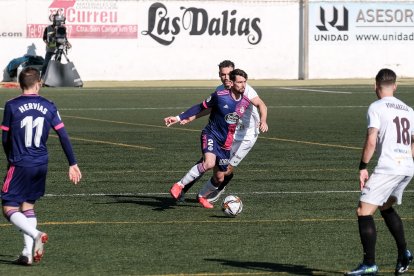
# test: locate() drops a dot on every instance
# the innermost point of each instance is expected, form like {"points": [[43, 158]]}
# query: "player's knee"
{"points": [[218, 179], [387, 212], [364, 212], [208, 165], [229, 170], [390, 202], [361, 212], [8, 212]]}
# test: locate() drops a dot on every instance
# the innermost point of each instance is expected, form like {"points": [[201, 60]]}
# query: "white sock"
{"points": [[28, 241], [21, 222], [195, 172], [207, 189]]}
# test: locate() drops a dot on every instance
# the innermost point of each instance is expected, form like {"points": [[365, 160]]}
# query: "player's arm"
{"points": [[199, 115], [412, 144], [367, 153], [5, 127], [6, 141], [75, 174], [256, 101], [192, 111]]}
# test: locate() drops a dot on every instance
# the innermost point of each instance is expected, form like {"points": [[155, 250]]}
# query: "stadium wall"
{"points": [[185, 40]]}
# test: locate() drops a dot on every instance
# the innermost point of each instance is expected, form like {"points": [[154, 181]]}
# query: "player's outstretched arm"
{"points": [[256, 101], [75, 174], [199, 115], [192, 111], [169, 121]]}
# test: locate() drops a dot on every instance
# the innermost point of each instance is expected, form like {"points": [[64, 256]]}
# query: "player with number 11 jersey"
{"points": [[30, 117]]}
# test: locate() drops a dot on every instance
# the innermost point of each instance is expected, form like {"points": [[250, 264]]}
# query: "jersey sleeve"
{"points": [[5, 125], [210, 101], [373, 117], [66, 146], [56, 122], [195, 109], [251, 93]]}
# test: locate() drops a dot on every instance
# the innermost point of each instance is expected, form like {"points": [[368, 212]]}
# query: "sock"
{"points": [[190, 184], [395, 226], [28, 241], [226, 181], [20, 221], [208, 188], [194, 173], [368, 235]]}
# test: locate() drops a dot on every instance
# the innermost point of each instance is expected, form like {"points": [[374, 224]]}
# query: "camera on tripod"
{"points": [[60, 37], [58, 73]]}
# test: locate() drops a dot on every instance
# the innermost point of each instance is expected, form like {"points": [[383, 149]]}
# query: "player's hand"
{"points": [[170, 120], [188, 120], [363, 177], [75, 174], [263, 127]]}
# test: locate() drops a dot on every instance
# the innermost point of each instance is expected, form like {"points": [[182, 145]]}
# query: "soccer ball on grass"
{"points": [[232, 206]]}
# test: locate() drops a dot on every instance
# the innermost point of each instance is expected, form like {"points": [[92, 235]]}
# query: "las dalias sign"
{"points": [[197, 22]]}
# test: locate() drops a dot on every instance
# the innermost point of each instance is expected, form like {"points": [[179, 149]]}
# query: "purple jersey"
{"points": [[27, 120], [225, 113]]}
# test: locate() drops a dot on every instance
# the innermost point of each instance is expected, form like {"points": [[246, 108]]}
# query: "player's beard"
{"points": [[241, 91]]}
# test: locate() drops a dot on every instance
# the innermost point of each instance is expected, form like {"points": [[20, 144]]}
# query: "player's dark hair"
{"points": [[237, 72], [226, 63], [385, 77], [28, 77]]}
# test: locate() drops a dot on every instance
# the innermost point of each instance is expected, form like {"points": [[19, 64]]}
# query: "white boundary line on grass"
{"points": [[314, 90], [162, 194]]}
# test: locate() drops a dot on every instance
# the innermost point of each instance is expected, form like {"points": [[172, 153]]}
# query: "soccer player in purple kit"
{"points": [[248, 128], [227, 107], [27, 121]]}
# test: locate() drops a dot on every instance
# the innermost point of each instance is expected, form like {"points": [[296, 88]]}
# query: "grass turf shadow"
{"points": [[274, 267], [158, 203]]}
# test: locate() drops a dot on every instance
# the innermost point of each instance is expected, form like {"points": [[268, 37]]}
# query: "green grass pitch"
{"points": [[299, 186]]}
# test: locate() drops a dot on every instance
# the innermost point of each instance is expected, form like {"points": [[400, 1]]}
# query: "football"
{"points": [[232, 206]]}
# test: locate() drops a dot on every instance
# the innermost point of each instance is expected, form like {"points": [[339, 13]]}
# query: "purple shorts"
{"points": [[209, 144], [23, 184]]}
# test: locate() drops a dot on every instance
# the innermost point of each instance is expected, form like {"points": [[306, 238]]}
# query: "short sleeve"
{"points": [[251, 93], [373, 117]]}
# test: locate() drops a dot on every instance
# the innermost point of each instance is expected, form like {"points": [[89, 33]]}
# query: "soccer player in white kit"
{"points": [[391, 134], [246, 133]]}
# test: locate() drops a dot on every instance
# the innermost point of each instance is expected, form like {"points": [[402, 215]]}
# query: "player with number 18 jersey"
{"points": [[395, 122]]}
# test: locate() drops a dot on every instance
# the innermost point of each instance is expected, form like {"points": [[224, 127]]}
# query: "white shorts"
{"points": [[239, 150], [380, 187]]}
